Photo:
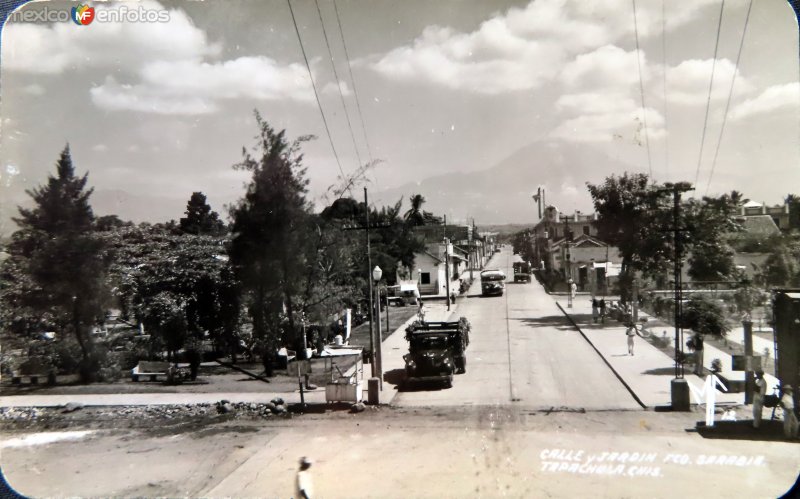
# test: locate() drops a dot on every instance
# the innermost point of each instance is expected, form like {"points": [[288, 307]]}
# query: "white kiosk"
{"points": [[344, 369]]}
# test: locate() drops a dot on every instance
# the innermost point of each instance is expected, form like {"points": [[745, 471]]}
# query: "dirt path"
{"points": [[407, 453]]}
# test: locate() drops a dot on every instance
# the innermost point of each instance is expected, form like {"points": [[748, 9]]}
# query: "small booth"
{"points": [[344, 371]]}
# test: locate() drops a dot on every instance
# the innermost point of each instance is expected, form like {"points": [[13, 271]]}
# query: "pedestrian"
{"points": [[789, 417], [303, 486], [595, 309], [602, 306], [421, 311], [697, 346], [630, 333], [758, 397]]}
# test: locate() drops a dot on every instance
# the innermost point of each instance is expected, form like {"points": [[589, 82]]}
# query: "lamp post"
{"points": [[377, 273]]}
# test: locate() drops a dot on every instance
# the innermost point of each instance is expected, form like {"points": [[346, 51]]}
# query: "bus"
{"points": [[493, 282]]}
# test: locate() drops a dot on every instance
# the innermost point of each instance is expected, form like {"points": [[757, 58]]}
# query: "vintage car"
{"points": [[436, 351]]}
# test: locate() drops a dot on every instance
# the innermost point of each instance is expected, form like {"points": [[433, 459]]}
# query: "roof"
{"points": [[761, 225]]}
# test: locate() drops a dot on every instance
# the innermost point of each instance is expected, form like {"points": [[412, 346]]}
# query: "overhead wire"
{"points": [[641, 90], [710, 87], [730, 94], [664, 81], [338, 83], [353, 81], [314, 86]]}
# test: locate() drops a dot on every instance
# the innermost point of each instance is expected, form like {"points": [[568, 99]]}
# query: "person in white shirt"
{"points": [[630, 333], [303, 486], [789, 417], [758, 398]]}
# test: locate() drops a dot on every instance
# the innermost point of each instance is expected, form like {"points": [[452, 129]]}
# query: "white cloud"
{"points": [[774, 98], [330, 89], [194, 87], [525, 47], [34, 89], [42, 49], [491, 60], [594, 103], [605, 127], [99, 148], [687, 83], [608, 66]]}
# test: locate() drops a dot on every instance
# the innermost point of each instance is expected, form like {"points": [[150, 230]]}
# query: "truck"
{"points": [[522, 272], [436, 351], [493, 282]]}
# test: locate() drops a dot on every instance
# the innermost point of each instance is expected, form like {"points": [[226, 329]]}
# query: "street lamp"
{"points": [[377, 273]]}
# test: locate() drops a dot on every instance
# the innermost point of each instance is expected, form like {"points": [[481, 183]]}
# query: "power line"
{"points": [[641, 90], [314, 86], [664, 78], [353, 80], [710, 86], [730, 94], [338, 83]]}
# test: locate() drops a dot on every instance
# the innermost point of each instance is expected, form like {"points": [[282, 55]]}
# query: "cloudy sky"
{"points": [[472, 103]]}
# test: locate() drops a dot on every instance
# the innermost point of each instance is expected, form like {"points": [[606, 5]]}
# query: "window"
{"points": [[586, 229], [425, 278]]}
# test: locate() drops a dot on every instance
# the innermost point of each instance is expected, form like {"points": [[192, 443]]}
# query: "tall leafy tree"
{"points": [[270, 231], [200, 219], [708, 224], [62, 256], [159, 274], [414, 216], [794, 211], [634, 217]]}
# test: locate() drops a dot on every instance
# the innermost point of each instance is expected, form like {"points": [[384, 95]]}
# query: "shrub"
{"points": [[704, 316]]}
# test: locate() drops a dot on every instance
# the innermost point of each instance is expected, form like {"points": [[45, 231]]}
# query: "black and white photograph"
{"points": [[411, 249]]}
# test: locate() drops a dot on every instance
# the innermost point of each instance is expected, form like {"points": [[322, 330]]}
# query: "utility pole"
{"points": [[372, 363], [366, 228], [679, 386]]}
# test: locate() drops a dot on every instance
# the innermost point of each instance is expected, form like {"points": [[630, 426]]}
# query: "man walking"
{"points": [[303, 487], [758, 397], [789, 417], [630, 333]]}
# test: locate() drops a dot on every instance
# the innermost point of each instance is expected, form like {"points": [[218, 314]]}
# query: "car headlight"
{"points": [[447, 361], [411, 365]]}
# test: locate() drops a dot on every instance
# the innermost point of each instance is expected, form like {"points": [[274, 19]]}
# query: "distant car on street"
{"points": [[493, 282]]}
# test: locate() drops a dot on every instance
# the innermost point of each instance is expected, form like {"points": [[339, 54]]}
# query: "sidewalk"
{"points": [[649, 371]]}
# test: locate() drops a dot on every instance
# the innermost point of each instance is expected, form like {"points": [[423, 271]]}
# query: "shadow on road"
{"points": [[661, 371], [394, 377], [556, 321], [770, 431]]}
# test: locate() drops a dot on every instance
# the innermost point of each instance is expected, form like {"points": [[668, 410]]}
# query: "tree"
{"points": [[793, 202], [635, 218], [153, 265], [199, 218], [270, 230], [708, 224], [414, 216], [704, 316], [62, 256]]}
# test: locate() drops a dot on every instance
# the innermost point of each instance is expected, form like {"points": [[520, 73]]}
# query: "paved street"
{"points": [[523, 352]]}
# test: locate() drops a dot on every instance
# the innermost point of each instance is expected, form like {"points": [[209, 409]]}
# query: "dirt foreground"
{"points": [[386, 452]]}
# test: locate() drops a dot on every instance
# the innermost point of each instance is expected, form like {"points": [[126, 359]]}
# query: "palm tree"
{"points": [[415, 216]]}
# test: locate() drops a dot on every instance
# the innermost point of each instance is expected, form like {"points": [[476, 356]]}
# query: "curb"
{"points": [[627, 387]]}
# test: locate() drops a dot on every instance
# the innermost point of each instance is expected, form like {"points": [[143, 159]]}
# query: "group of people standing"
{"points": [[786, 402], [598, 309]]}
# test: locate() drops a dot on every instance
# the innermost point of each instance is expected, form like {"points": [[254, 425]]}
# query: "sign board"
{"points": [[299, 367], [745, 363]]}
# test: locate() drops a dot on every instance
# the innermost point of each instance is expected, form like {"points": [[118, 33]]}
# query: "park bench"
{"points": [[33, 379], [149, 369], [33, 370]]}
